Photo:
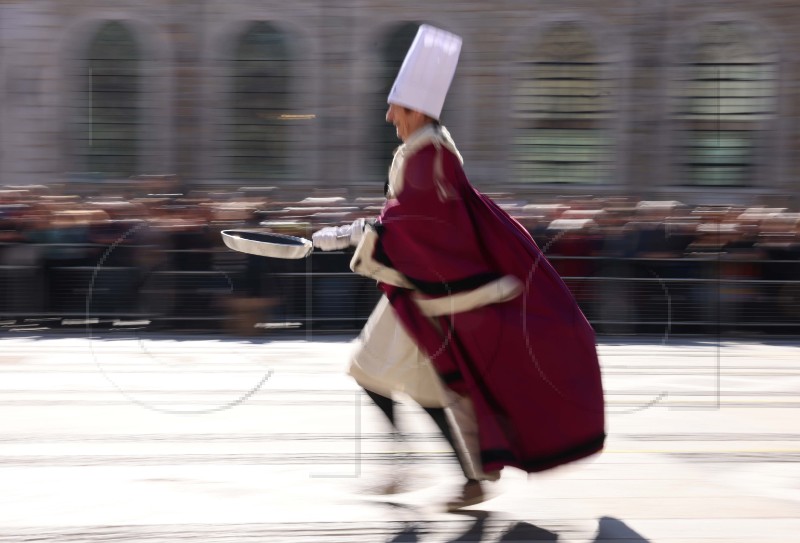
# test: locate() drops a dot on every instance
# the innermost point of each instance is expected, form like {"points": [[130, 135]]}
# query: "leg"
{"points": [[465, 425], [395, 483], [440, 418], [386, 405], [472, 491]]}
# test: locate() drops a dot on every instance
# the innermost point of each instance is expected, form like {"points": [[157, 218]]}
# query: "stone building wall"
{"points": [[336, 47]]}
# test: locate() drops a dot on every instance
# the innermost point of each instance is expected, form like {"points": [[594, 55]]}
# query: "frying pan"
{"points": [[260, 243]]}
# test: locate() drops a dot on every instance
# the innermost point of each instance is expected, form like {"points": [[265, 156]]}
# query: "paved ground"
{"points": [[163, 440]]}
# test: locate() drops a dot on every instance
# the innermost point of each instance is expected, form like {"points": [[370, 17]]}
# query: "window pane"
{"points": [[562, 102], [259, 135], [723, 105], [109, 118], [560, 156]]}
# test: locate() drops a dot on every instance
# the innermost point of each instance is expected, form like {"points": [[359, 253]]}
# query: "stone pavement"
{"points": [[126, 438]]}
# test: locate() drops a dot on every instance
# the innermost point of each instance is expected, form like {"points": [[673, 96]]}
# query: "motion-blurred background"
{"points": [[649, 146]]}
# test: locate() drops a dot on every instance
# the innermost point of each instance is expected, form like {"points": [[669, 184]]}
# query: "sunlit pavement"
{"points": [[125, 438]]}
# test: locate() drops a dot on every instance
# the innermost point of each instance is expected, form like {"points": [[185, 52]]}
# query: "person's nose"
{"points": [[389, 116]]}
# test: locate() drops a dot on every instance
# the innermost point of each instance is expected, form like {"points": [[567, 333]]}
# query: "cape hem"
{"points": [[495, 459]]}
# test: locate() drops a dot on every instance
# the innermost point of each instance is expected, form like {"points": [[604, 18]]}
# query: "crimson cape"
{"points": [[530, 364]]}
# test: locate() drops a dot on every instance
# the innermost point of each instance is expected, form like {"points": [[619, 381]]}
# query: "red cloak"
{"points": [[529, 365]]}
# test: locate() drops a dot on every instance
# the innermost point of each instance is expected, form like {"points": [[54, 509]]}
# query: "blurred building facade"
{"points": [[655, 99]]}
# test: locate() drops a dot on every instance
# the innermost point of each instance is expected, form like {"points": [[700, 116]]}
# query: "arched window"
{"points": [[392, 51], [563, 102], [110, 113], [723, 106], [260, 135]]}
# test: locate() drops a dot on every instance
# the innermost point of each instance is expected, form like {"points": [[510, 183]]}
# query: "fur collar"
{"points": [[430, 133]]}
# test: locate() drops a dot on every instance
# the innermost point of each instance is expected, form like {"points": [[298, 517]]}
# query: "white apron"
{"points": [[386, 360]]}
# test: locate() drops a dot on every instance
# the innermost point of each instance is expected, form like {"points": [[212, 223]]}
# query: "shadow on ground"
{"points": [[610, 530]]}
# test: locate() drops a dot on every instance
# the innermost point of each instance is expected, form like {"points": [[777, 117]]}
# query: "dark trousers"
{"points": [[436, 413]]}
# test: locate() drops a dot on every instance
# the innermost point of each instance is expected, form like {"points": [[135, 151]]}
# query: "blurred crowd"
{"points": [[46, 227], [586, 226]]}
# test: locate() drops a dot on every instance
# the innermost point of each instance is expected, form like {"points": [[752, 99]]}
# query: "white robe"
{"points": [[385, 358]]}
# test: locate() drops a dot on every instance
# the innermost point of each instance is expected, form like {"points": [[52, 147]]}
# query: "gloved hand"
{"points": [[332, 238], [335, 238], [357, 231]]}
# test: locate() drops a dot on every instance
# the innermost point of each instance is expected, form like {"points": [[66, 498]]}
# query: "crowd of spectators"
{"points": [[153, 224]]}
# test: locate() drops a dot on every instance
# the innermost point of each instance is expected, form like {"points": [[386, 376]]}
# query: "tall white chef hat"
{"points": [[427, 71]]}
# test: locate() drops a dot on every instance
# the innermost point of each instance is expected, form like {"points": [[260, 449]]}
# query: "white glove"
{"points": [[335, 238], [357, 231], [332, 238]]}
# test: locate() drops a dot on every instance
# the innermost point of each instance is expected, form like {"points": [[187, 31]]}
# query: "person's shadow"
{"points": [[408, 535], [609, 530]]}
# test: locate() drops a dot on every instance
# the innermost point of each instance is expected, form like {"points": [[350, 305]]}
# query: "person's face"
{"points": [[406, 121]]}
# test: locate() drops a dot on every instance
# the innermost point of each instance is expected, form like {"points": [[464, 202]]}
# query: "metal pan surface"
{"points": [[269, 244]]}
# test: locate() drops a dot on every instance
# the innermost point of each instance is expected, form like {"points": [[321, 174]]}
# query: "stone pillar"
{"points": [[646, 165], [186, 26]]}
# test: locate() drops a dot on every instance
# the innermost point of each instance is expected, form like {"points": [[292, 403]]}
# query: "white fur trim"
{"points": [[428, 134], [462, 417], [500, 290], [364, 264]]}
